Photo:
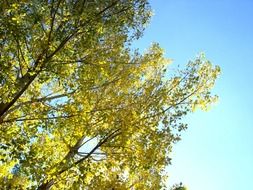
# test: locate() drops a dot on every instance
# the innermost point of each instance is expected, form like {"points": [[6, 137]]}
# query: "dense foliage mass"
{"points": [[79, 109]]}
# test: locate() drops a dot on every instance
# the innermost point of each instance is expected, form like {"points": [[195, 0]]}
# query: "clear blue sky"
{"points": [[216, 152]]}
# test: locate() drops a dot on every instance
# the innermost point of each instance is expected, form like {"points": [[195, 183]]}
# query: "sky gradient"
{"points": [[216, 152]]}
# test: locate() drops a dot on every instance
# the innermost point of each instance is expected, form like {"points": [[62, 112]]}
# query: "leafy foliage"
{"points": [[178, 187], [79, 109]]}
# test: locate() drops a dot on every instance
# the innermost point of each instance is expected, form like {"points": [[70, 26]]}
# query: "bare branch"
{"points": [[43, 99], [43, 118]]}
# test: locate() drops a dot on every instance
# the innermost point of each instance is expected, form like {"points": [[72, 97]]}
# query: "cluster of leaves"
{"points": [[178, 187], [68, 77]]}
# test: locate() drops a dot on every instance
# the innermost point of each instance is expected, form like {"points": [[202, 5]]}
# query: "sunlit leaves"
{"points": [[78, 107]]}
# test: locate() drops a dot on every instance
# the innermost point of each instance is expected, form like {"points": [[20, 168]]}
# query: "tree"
{"points": [[79, 109], [178, 187]]}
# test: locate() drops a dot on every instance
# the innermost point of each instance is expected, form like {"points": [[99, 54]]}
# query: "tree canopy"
{"points": [[79, 107]]}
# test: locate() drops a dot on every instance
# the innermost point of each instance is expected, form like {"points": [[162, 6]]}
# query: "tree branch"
{"points": [[49, 183]]}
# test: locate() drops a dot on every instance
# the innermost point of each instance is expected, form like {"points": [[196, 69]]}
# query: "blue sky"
{"points": [[216, 152]]}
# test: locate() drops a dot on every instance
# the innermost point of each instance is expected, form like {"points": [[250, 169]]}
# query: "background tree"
{"points": [[79, 109], [178, 187]]}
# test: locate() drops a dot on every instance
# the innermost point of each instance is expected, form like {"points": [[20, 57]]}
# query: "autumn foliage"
{"points": [[79, 108]]}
